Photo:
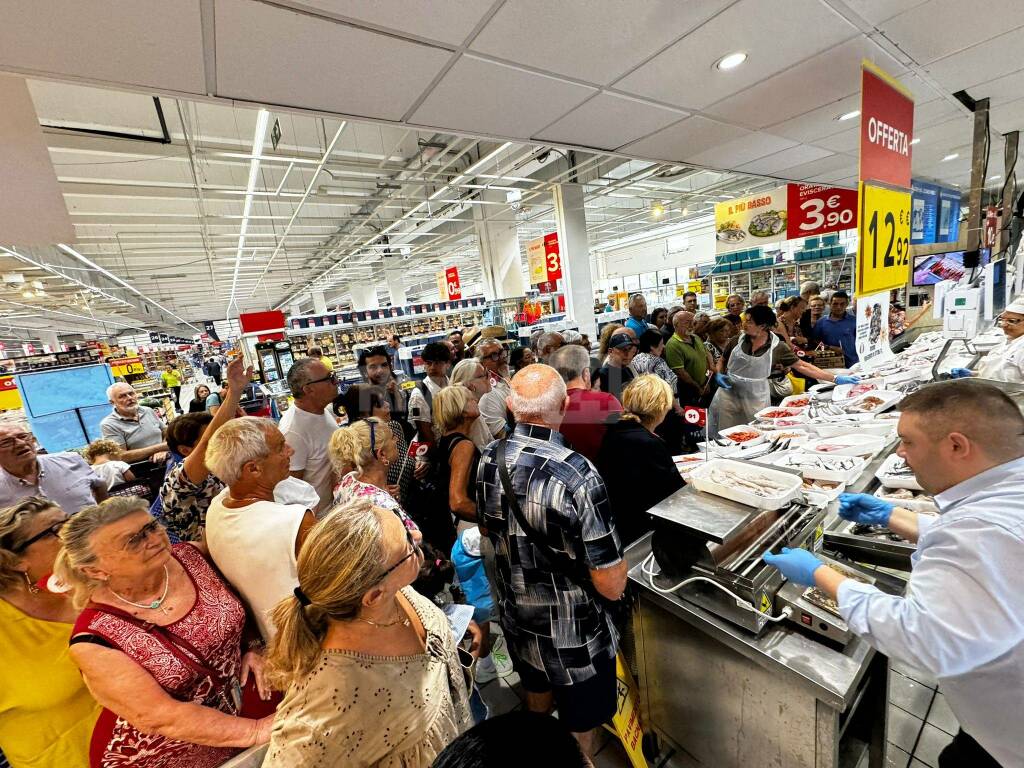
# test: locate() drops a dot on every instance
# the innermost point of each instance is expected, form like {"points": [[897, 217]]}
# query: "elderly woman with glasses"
{"points": [[159, 642], [371, 668], [46, 712], [253, 538], [361, 401], [1005, 361]]}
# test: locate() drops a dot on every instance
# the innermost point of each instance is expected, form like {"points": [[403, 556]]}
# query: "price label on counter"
{"points": [[883, 239]]}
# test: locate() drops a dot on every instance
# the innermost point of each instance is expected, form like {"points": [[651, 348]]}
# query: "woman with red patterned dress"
{"points": [[159, 643]]}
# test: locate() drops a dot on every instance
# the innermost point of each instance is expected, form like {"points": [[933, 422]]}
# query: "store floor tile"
{"points": [[904, 728], [915, 763], [499, 697], [895, 757], [915, 674], [931, 743], [910, 695], [941, 716], [613, 755]]}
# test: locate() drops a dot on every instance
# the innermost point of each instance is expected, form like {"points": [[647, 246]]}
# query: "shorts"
{"points": [[581, 706]]}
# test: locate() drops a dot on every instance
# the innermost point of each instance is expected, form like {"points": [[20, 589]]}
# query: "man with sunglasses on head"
{"points": [[63, 478], [1005, 361], [493, 356], [307, 426]]}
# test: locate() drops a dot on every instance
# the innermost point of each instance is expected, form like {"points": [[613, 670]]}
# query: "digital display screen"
{"points": [[929, 270], [58, 390], [59, 431]]}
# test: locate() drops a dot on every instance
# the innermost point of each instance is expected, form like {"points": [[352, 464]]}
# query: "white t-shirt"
{"points": [[419, 408], [111, 471], [254, 547], [309, 435]]}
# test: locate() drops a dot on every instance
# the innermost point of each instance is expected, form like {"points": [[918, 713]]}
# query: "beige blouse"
{"points": [[357, 710]]}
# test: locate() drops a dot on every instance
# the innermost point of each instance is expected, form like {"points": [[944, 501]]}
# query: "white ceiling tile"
{"points": [[1001, 90], [278, 56], [684, 139], [876, 11], [976, 65], [832, 75], [941, 137], [936, 112], [685, 74], [742, 150], [1008, 117], [776, 164], [608, 37], [845, 141], [819, 123], [608, 121], [833, 164], [482, 96], [921, 91], [940, 27], [449, 21], [138, 42]]}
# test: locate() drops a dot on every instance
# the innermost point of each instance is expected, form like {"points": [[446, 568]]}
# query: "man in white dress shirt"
{"points": [[962, 618]]}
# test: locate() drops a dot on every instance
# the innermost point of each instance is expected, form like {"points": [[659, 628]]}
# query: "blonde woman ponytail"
{"points": [[341, 559], [349, 448]]}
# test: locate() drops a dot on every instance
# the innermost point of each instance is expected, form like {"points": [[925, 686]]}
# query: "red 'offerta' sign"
{"points": [[886, 130], [814, 209]]}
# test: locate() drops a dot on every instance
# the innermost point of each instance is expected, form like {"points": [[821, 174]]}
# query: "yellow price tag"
{"points": [[883, 239]]}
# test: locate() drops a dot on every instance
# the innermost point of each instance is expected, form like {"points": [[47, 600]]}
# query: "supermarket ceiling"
{"points": [[382, 104]]}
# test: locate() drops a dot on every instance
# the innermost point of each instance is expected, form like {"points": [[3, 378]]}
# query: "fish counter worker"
{"points": [[962, 618], [1005, 361]]}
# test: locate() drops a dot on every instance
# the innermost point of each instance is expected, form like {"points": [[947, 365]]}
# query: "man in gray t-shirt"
{"points": [[134, 427]]}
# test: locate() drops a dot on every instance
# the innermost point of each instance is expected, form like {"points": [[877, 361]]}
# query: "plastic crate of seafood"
{"points": [[754, 486]]}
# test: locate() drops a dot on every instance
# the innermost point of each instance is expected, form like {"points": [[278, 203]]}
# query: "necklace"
{"points": [[404, 622], [148, 606]]}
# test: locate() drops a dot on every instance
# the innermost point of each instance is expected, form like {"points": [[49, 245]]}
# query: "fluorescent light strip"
{"points": [[92, 265], [302, 202], [94, 320], [262, 118]]}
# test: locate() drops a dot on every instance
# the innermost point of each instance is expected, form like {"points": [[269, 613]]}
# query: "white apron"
{"points": [[750, 392], [1004, 362]]}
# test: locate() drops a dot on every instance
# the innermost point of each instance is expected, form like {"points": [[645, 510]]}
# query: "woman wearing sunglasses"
{"points": [[372, 673], [46, 712], [1005, 361], [159, 642]]}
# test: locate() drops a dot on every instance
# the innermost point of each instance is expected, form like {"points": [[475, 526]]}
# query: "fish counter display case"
{"points": [[768, 675]]}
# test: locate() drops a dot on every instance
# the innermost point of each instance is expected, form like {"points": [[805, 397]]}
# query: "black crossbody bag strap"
{"points": [[558, 560]]}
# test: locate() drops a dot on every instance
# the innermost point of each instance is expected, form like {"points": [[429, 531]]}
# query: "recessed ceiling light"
{"points": [[730, 61], [951, 156], [914, 141], [849, 115]]}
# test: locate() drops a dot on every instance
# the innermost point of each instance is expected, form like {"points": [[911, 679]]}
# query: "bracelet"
{"points": [[256, 645]]}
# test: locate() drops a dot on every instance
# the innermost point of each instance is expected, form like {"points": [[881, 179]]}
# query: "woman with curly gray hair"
{"points": [[46, 712]]}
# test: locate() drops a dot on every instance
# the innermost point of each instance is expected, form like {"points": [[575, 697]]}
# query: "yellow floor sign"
{"points": [[626, 720]]}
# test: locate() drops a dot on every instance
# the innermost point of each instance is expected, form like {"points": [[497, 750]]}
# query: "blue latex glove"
{"points": [[722, 380], [864, 508], [797, 565], [847, 379], [961, 373]]}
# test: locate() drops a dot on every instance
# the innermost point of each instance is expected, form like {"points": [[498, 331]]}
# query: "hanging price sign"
{"points": [[883, 239]]}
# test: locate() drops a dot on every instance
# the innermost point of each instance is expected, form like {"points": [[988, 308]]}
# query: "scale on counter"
{"points": [[713, 546]]}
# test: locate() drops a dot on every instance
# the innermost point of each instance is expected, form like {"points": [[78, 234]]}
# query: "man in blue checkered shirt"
{"points": [[561, 639]]}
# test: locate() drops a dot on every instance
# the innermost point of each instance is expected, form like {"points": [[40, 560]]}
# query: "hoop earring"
{"points": [[32, 588]]}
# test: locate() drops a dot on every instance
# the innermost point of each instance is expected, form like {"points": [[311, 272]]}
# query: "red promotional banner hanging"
{"points": [[552, 257], [814, 210], [451, 276], [886, 128]]}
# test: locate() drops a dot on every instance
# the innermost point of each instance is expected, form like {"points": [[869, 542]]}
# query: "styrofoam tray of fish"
{"points": [[873, 402], [816, 466], [796, 436], [851, 424], [894, 473], [916, 502], [743, 434], [818, 493], [845, 392], [848, 445], [754, 486]]}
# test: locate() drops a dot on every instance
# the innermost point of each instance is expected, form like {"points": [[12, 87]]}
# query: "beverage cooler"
{"points": [[275, 358]]}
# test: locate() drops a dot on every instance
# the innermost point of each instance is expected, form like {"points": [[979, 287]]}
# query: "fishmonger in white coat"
{"points": [[1005, 361], [962, 618]]}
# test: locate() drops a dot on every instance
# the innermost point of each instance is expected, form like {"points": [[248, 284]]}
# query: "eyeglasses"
{"points": [[329, 377], [416, 551], [501, 354], [136, 540], [25, 437], [53, 530], [999, 321]]}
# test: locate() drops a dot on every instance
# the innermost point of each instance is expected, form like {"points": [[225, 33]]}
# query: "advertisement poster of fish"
{"points": [[748, 222], [872, 314]]}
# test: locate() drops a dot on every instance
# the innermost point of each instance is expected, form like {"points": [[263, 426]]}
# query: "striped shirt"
{"points": [[551, 623]]}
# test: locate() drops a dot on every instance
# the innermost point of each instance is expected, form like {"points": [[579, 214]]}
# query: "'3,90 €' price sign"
{"points": [[883, 239]]}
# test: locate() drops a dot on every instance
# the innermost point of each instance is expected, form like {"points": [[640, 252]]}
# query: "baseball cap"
{"points": [[620, 340]]}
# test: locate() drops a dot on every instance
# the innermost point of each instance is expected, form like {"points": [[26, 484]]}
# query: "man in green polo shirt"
{"points": [[687, 356]]}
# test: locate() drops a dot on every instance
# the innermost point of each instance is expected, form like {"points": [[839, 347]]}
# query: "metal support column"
{"points": [[979, 156]]}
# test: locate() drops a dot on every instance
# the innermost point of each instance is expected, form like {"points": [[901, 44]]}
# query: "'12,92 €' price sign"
{"points": [[883, 239]]}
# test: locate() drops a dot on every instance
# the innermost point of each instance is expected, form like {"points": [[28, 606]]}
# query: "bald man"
{"points": [[560, 637]]}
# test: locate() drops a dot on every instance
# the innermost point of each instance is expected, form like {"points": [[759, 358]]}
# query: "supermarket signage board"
{"points": [[543, 259], [814, 209], [124, 366], [924, 211], [451, 276], [883, 239], [886, 128]]}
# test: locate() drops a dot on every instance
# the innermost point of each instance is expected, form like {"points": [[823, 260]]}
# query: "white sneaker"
{"points": [[500, 658], [485, 669]]}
